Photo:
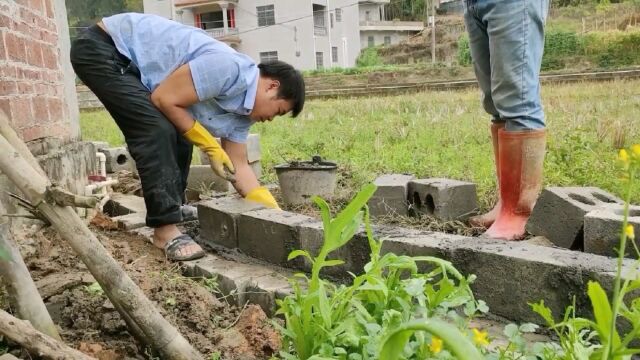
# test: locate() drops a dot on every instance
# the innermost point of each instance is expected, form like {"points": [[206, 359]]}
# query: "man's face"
{"points": [[267, 104]]}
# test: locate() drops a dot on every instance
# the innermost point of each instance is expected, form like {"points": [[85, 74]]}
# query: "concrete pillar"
{"points": [[225, 21]]}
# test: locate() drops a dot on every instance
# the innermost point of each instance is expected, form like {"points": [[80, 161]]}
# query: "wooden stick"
{"points": [[119, 287], [22, 291], [35, 342]]}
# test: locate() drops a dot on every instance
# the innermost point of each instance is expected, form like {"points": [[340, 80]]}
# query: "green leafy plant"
{"points": [[390, 304]]}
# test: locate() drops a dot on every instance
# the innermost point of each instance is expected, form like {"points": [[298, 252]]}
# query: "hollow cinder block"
{"points": [[390, 197], [202, 177], [602, 229], [219, 220], [444, 199], [117, 158], [270, 234], [559, 213], [254, 152]]}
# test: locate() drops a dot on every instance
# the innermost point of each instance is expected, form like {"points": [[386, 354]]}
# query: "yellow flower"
{"points": [[436, 345], [480, 337], [635, 149], [629, 232], [623, 156]]}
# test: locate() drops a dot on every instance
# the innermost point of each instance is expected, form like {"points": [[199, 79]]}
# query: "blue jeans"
{"points": [[506, 38]]}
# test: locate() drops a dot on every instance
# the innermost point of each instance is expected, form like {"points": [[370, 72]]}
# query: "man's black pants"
{"points": [[161, 154]]}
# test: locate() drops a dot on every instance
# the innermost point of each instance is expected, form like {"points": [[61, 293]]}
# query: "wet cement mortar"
{"points": [[88, 321]]}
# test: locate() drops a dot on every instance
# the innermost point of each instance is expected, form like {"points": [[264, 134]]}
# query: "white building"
{"points": [[309, 34]]}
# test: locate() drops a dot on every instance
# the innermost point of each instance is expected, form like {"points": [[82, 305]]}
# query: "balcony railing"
{"points": [[320, 30], [220, 33], [392, 25]]}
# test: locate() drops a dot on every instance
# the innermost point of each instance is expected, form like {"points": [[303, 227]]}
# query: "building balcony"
{"points": [[319, 30], [230, 36], [391, 26], [189, 4]]}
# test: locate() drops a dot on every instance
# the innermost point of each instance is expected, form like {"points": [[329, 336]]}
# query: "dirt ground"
{"points": [[88, 321]]}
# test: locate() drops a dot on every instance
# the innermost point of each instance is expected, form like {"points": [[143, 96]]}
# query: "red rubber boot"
{"points": [[521, 158], [485, 220]]}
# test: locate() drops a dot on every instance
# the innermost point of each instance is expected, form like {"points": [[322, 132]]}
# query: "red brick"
{"points": [[8, 88], [42, 89], [37, 6], [6, 22], [3, 51], [25, 87], [5, 106], [15, 47], [8, 71], [21, 111], [34, 53], [50, 57], [40, 112], [33, 132], [55, 109], [28, 16], [48, 4], [49, 37]]}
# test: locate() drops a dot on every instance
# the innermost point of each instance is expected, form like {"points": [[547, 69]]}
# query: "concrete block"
{"points": [[254, 153], [43, 146], [100, 145], [202, 178], [256, 166], [123, 204], [390, 197], [269, 234], [118, 158], [602, 229], [444, 199], [559, 213], [219, 220], [130, 221], [232, 277], [262, 291], [311, 237], [512, 274]]}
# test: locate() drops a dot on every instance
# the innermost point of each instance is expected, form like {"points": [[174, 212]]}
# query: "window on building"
{"points": [[268, 56], [371, 41], [334, 54], [331, 19], [367, 15], [387, 40], [266, 15], [319, 60], [338, 15]]}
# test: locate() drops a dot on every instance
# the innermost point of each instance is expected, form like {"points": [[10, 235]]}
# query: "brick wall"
{"points": [[34, 72]]}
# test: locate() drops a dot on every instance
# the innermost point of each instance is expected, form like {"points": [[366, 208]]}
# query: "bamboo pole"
{"points": [[117, 285], [22, 291], [35, 342]]}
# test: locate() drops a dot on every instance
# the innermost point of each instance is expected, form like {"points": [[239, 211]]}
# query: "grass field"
{"points": [[445, 134]]}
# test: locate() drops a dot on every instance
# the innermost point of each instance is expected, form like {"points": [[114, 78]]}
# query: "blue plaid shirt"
{"points": [[225, 80]]}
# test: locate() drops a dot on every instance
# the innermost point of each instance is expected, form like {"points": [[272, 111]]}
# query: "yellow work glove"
{"points": [[218, 159], [263, 196]]}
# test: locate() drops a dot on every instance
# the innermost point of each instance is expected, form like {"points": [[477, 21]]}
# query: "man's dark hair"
{"points": [[291, 82]]}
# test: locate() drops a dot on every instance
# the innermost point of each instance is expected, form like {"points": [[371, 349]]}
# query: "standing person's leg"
{"points": [[481, 57], [516, 42], [151, 138]]}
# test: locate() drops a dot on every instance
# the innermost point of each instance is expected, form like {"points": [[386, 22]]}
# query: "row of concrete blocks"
{"points": [[585, 218], [444, 199], [509, 274]]}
